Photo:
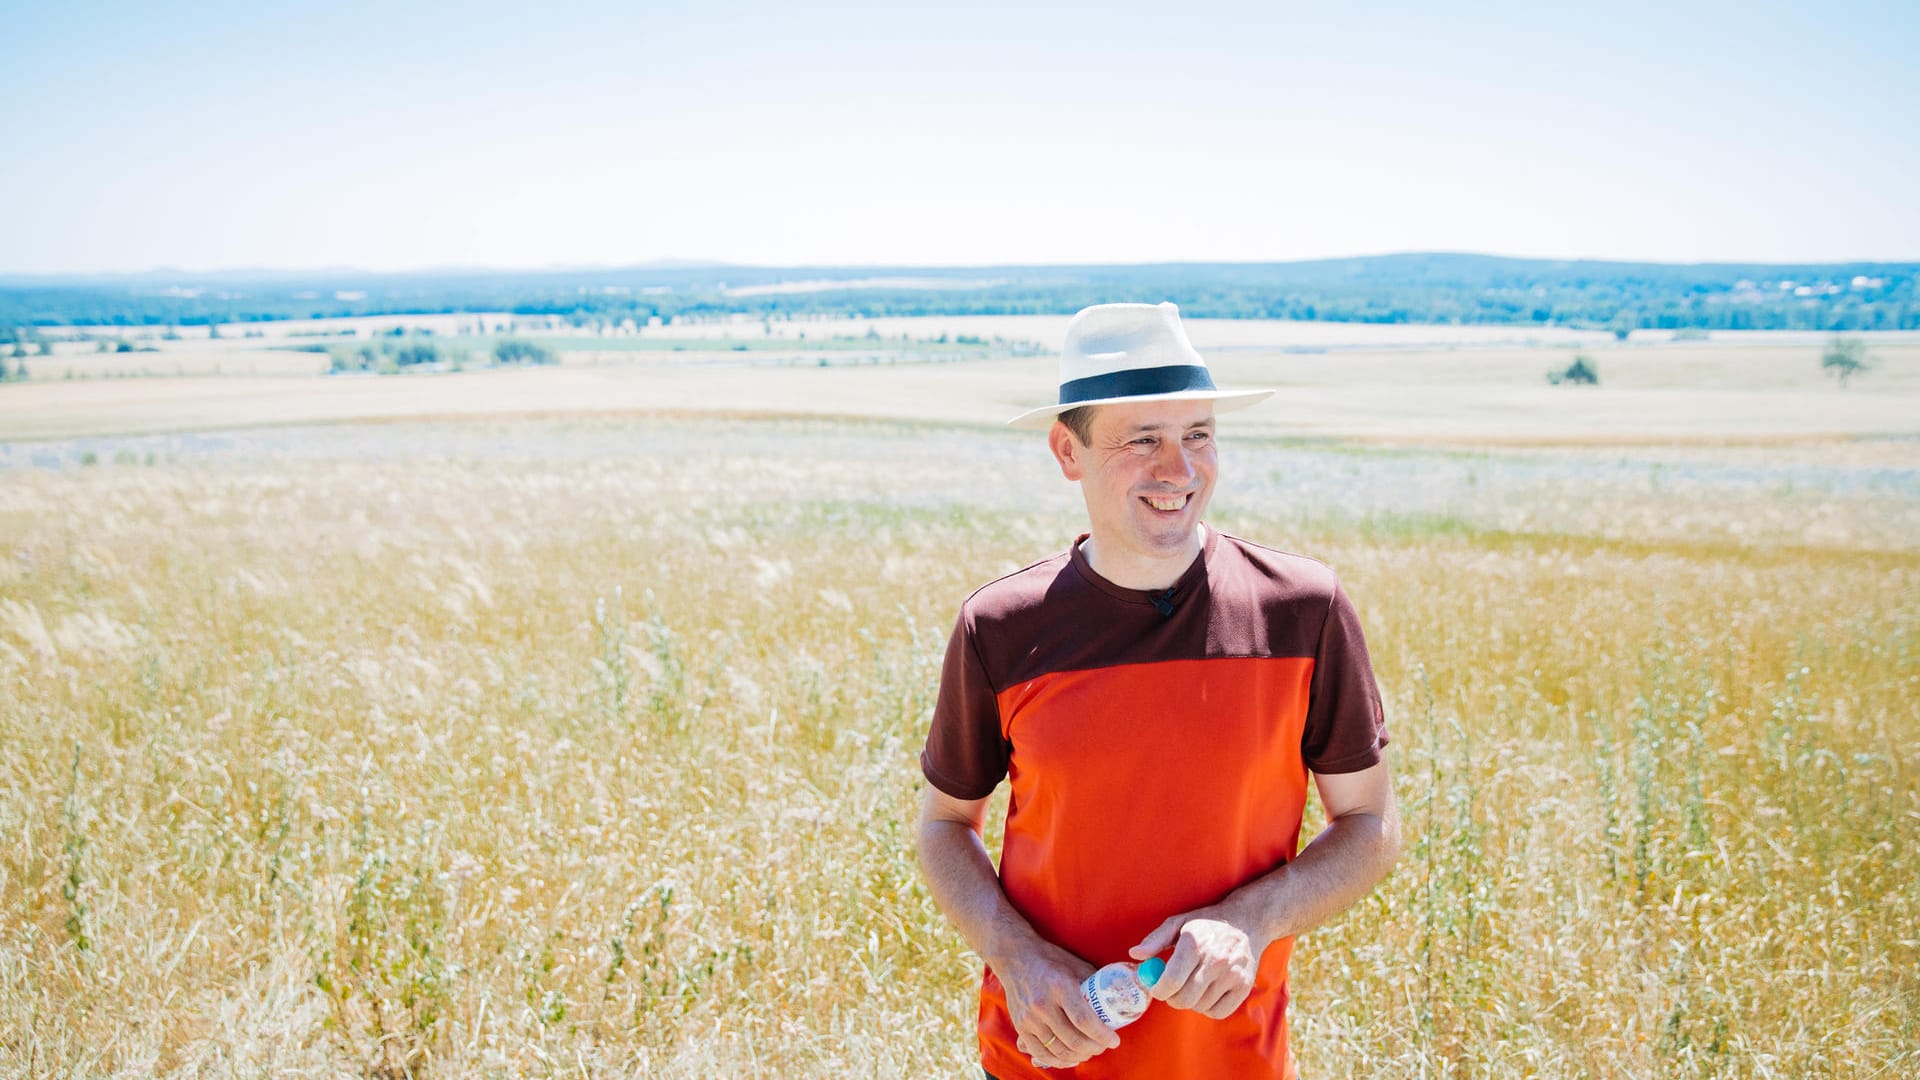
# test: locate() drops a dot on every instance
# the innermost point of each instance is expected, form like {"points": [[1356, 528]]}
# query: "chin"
{"points": [[1169, 540]]}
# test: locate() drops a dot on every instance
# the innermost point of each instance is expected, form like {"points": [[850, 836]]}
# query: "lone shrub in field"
{"points": [[1579, 373], [1845, 357]]}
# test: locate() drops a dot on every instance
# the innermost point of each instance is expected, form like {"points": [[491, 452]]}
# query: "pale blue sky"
{"points": [[398, 135]]}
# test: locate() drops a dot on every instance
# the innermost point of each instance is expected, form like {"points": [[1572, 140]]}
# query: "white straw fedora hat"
{"points": [[1131, 352]]}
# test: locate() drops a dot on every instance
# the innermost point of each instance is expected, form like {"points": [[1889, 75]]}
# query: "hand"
{"points": [[1058, 1029], [1213, 964]]}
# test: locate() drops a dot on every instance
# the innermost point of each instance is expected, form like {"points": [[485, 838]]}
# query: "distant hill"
{"points": [[1408, 288]]}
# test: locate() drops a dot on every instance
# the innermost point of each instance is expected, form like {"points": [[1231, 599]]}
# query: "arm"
{"points": [[1057, 1027], [1216, 949]]}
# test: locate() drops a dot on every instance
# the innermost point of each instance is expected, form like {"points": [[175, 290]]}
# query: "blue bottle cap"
{"points": [[1150, 971]]}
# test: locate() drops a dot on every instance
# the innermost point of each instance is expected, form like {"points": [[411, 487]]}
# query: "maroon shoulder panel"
{"points": [[1238, 600]]}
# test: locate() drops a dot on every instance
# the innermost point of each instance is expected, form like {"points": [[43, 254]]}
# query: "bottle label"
{"points": [[1116, 996]]}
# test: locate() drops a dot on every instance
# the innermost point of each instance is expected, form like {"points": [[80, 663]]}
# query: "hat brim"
{"points": [[1223, 401]]}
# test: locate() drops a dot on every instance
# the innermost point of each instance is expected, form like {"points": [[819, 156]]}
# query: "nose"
{"points": [[1174, 463]]}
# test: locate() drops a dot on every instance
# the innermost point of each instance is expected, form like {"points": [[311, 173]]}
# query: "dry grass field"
{"points": [[508, 745]]}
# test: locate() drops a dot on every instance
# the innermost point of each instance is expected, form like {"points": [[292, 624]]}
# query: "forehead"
{"points": [[1151, 416]]}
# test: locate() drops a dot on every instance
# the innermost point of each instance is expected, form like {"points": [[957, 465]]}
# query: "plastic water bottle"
{"points": [[1118, 992]]}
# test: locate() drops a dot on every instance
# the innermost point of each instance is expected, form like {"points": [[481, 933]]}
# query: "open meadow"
{"points": [[1380, 383], [565, 721]]}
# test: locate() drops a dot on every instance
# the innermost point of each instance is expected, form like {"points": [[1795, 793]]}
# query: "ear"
{"points": [[1066, 450]]}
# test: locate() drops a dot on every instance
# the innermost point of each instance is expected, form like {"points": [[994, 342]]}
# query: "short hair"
{"points": [[1080, 422]]}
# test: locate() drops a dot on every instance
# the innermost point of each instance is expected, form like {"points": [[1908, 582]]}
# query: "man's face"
{"points": [[1146, 475]]}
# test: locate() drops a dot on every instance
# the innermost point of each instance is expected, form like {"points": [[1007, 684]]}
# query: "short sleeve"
{"points": [[1346, 728], [966, 755]]}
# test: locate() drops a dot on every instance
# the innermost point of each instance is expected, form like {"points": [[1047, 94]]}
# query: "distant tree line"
{"points": [[1438, 288], [400, 351]]}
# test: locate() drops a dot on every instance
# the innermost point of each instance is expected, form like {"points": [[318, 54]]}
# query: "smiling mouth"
{"points": [[1168, 502]]}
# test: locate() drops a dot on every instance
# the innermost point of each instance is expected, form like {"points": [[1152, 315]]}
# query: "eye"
{"points": [[1200, 436]]}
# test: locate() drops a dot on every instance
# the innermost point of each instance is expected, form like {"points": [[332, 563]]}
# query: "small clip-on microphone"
{"points": [[1163, 602]]}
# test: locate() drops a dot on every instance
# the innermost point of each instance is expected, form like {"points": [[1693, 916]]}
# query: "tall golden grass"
{"points": [[598, 757]]}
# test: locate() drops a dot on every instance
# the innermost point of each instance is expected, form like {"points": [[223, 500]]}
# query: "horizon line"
{"points": [[716, 264]]}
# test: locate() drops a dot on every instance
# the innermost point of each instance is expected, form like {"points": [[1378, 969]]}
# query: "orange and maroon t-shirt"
{"points": [[1158, 747]]}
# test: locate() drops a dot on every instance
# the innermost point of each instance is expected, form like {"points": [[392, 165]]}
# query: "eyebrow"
{"points": [[1142, 429]]}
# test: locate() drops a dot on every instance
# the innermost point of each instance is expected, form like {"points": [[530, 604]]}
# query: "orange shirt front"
{"points": [[1157, 761]]}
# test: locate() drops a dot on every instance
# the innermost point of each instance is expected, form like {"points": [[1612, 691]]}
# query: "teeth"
{"points": [[1174, 503]]}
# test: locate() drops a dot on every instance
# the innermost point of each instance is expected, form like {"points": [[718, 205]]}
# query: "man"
{"points": [[1157, 697]]}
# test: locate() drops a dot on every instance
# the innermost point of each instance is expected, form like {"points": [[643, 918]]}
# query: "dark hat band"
{"points": [[1136, 382]]}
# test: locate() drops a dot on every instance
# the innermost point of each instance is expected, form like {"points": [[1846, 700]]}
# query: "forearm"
{"points": [[1352, 855], [967, 890], [1056, 1026]]}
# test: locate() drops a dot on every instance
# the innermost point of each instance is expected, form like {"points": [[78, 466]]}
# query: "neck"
{"points": [[1144, 572]]}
